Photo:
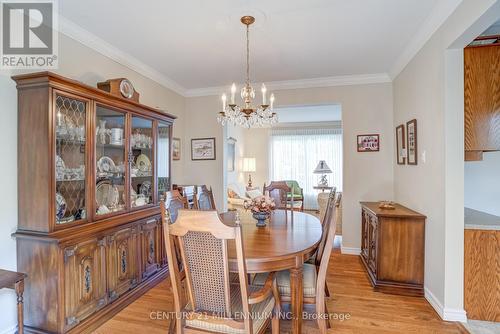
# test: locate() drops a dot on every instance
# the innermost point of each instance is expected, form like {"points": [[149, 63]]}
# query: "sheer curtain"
{"points": [[294, 154]]}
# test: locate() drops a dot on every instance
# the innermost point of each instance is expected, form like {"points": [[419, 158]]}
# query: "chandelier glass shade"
{"points": [[247, 115]]}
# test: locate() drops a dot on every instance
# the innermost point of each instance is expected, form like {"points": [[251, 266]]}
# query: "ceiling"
{"points": [[310, 113], [194, 44]]}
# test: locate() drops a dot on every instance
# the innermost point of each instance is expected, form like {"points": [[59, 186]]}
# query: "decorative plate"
{"points": [[143, 163], [106, 194], [106, 164], [145, 189], [126, 88], [60, 206]]}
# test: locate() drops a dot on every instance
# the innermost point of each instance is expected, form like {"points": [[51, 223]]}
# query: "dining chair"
{"points": [[174, 202], [314, 277], [204, 198], [297, 194], [278, 191], [214, 304]]}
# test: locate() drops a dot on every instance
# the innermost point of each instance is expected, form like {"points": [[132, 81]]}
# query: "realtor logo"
{"points": [[29, 34]]}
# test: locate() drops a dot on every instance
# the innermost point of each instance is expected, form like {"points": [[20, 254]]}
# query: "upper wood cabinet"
{"points": [[86, 155], [482, 100]]}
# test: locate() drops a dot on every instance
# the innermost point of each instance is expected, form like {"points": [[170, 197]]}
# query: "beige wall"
{"points": [[81, 63], [430, 89], [201, 122], [367, 176]]}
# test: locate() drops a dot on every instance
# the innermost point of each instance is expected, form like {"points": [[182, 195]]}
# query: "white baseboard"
{"points": [[350, 250], [447, 314], [9, 330]]}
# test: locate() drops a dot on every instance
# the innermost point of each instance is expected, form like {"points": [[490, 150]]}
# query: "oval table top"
{"points": [[278, 245]]}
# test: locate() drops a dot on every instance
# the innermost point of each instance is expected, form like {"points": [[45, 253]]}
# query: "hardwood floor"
{"points": [[362, 309]]}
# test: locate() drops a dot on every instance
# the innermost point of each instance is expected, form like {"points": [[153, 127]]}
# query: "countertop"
{"points": [[478, 220]]}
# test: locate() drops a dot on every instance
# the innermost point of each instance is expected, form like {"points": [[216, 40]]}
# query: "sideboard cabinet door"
{"points": [[85, 280], [150, 246], [123, 256], [372, 244], [365, 222]]}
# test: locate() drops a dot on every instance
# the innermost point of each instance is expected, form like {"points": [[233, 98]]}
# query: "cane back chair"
{"points": [[278, 191], [174, 202], [204, 198], [215, 305], [314, 276]]}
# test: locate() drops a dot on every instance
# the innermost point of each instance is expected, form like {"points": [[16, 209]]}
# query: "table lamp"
{"points": [[323, 169], [249, 167]]}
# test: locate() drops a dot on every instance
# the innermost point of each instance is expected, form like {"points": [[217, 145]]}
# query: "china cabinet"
{"points": [[93, 167]]}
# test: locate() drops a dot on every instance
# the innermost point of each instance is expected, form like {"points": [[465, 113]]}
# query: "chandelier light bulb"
{"points": [[271, 98], [224, 99], [233, 92], [264, 94]]}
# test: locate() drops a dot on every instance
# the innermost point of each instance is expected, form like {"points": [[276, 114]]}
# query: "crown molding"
{"points": [[432, 23], [345, 80], [90, 40]]}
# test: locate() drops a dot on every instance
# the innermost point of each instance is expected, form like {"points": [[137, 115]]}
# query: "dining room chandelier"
{"points": [[246, 115]]}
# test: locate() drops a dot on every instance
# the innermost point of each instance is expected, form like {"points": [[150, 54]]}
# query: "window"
{"points": [[294, 154]]}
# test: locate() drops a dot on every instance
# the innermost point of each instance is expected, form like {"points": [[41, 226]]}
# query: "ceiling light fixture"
{"points": [[247, 115]]}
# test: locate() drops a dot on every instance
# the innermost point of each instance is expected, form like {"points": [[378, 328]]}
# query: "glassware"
{"points": [[70, 159]]}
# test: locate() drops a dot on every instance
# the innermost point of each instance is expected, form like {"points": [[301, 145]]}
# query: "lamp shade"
{"points": [[322, 168], [249, 164]]}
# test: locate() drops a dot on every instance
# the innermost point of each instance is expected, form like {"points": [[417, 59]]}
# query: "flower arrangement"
{"points": [[261, 204]]}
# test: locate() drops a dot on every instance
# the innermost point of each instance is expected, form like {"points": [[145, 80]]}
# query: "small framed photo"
{"points": [[176, 149], [203, 149], [368, 143], [400, 145], [411, 142]]}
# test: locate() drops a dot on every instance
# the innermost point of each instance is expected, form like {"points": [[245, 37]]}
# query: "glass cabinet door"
{"points": [[110, 192], [141, 169], [70, 118], [163, 160]]}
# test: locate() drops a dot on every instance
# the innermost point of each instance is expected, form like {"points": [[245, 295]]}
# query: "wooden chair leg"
{"points": [[275, 324], [327, 292], [321, 318]]}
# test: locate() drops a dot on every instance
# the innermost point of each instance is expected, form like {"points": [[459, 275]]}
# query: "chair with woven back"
{"points": [[204, 198], [174, 202], [314, 275], [215, 305]]}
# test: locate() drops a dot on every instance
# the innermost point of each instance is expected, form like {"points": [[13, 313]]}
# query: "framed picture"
{"points": [[411, 142], [231, 154], [400, 145], [176, 149], [203, 149], [368, 143]]}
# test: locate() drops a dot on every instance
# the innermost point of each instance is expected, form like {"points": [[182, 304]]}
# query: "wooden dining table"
{"points": [[285, 243]]}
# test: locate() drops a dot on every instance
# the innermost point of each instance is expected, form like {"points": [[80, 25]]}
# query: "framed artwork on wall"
{"points": [[411, 142], [231, 154], [203, 149], [400, 145], [368, 143], [176, 149]]}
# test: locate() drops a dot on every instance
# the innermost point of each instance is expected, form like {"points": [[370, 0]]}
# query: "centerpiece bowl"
{"points": [[261, 208]]}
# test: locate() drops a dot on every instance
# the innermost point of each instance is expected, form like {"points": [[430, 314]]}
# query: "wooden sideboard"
{"points": [[93, 168], [392, 248]]}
